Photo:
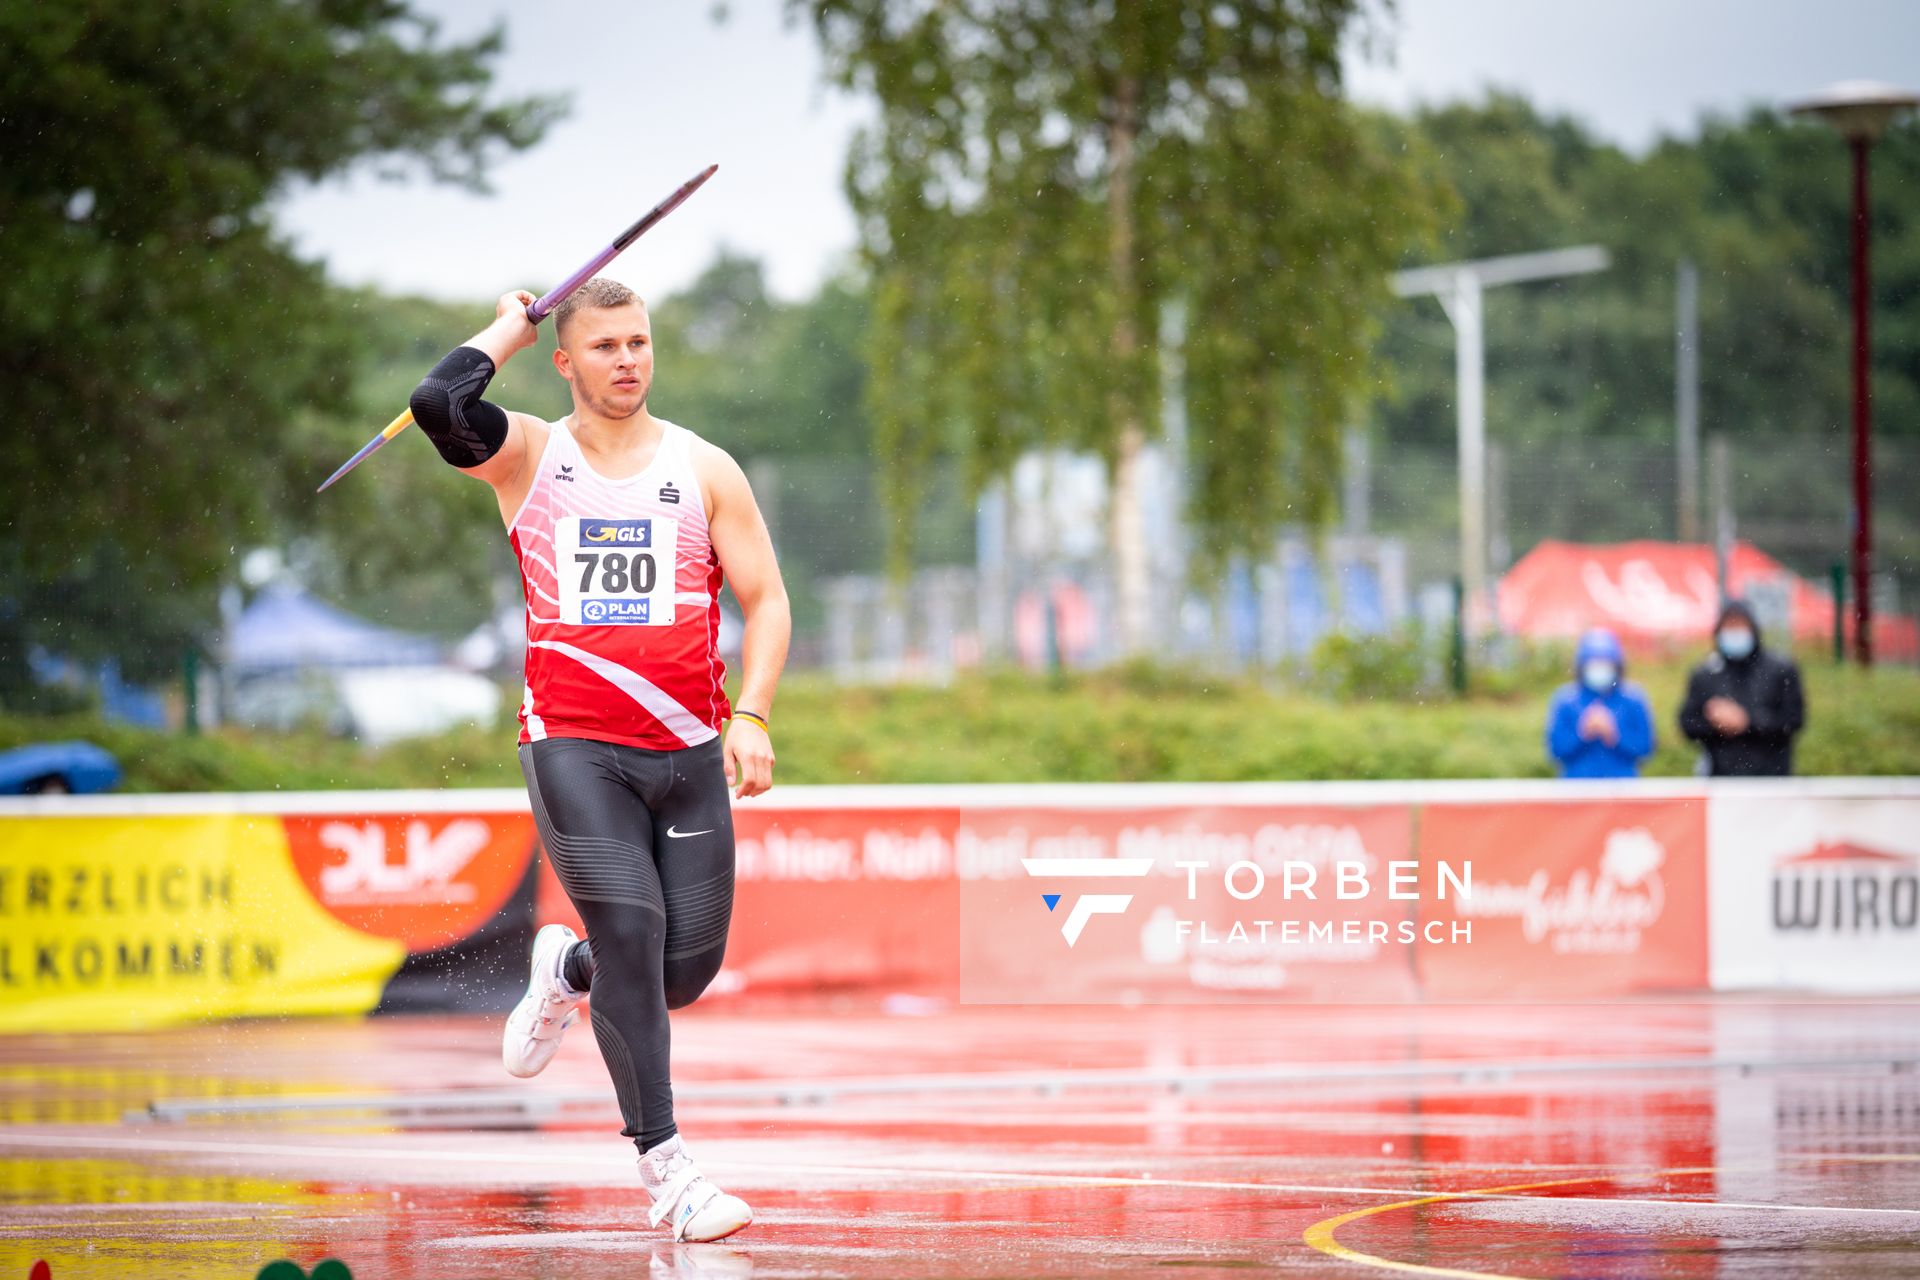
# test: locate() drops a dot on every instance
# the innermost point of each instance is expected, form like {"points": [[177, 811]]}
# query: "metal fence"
{"points": [[1791, 498], [1394, 553]]}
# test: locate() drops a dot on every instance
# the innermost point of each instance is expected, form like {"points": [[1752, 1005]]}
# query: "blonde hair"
{"points": [[595, 294]]}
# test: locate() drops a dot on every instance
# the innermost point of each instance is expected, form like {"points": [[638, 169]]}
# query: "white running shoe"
{"points": [[550, 1006], [698, 1210]]}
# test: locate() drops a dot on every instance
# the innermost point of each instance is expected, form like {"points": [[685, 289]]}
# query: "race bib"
{"points": [[615, 572]]}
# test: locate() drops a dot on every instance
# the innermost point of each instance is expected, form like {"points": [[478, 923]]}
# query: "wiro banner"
{"points": [[130, 912]]}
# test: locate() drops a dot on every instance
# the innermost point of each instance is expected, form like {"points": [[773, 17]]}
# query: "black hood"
{"points": [[1738, 609]]}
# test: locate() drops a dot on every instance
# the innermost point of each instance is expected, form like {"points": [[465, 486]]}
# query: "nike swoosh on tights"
{"points": [[681, 835]]}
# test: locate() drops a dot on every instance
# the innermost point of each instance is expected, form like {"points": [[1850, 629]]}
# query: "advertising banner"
{"points": [[921, 897], [456, 889], [144, 911], [1569, 898], [831, 897], [132, 922], [1177, 904], [1816, 892], [138, 919]]}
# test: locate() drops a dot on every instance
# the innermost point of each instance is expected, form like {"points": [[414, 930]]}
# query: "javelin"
{"points": [[540, 308]]}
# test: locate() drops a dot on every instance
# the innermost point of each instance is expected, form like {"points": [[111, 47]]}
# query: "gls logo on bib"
{"points": [[618, 533]]}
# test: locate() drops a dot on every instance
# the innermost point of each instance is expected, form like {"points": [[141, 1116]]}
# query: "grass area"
{"points": [[1135, 724], [1147, 726]]}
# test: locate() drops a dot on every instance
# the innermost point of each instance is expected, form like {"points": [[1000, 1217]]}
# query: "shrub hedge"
{"points": [[1131, 724]]}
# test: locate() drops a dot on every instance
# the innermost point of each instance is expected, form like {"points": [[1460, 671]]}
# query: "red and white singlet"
{"points": [[623, 601]]}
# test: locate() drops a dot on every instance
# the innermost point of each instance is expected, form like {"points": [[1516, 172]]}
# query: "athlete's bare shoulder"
{"points": [[734, 523], [721, 479]]}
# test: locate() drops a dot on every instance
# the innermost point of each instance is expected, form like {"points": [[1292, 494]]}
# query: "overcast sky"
{"points": [[660, 90]]}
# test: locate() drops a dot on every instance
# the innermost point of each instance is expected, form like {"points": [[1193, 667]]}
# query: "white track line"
{"points": [[1044, 1083], [962, 1175]]}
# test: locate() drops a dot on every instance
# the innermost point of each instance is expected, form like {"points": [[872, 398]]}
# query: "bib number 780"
{"points": [[616, 572]]}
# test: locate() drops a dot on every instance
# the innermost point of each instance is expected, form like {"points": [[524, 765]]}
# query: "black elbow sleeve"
{"points": [[447, 405]]}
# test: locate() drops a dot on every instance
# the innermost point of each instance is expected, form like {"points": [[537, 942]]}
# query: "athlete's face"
{"points": [[608, 357]]}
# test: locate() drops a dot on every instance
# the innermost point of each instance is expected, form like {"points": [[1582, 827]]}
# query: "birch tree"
{"points": [[1044, 175]]}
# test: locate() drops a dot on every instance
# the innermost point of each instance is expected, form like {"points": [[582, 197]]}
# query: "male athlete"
{"points": [[625, 526]]}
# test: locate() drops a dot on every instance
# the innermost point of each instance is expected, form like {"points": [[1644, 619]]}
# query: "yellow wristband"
{"points": [[755, 717]]}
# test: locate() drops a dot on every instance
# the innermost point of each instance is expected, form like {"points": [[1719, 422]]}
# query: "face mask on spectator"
{"points": [[1598, 674], [1736, 642]]}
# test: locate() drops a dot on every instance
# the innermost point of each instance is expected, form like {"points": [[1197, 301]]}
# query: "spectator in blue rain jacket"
{"points": [[1599, 726]]}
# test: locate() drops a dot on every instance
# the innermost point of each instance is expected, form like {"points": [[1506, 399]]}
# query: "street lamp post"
{"points": [[1861, 111], [1459, 286]]}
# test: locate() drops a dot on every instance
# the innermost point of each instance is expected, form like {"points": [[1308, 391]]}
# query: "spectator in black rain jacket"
{"points": [[1743, 703]]}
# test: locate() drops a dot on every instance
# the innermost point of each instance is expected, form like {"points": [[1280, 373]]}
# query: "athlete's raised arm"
{"points": [[482, 439], [745, 549]]}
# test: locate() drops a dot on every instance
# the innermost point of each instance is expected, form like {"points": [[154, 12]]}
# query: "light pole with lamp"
{"points": [[1861, 111]]}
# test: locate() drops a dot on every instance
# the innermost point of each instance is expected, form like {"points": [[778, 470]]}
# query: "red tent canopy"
{"points": [[1657, 594]]}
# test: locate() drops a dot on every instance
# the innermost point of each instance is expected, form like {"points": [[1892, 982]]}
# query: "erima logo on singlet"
{"points": [[565, 473], [619, 533]]}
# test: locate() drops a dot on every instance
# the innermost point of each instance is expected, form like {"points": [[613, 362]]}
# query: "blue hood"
{"points": [[1599, 643]]}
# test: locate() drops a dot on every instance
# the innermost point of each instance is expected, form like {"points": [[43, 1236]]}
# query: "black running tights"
{"points": [[642, 841]]}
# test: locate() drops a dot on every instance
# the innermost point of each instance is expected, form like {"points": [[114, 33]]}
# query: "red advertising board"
{"points": [[1178, 904], [276, 904], [423, 879], [1569, 898], [832, 897], [940, 899]]}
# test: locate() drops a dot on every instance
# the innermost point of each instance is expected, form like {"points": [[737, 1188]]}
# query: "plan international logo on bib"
{"points": [[614, 610], [618, 533]]}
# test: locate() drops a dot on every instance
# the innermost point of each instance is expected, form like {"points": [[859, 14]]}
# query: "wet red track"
{"points": [[1729, 1139]]}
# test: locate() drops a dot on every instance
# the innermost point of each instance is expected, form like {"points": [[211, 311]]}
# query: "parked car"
{"points": [[57, 768]]}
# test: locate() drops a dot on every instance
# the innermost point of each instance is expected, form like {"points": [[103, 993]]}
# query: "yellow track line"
{"points": [[31, 1228], [1321, 1234]]}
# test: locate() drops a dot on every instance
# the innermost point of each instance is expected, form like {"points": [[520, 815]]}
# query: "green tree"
{"points": [[159, 343], [760, 376], [1791, 179], [1581, 372], [1045, 177], [1593, 356]]}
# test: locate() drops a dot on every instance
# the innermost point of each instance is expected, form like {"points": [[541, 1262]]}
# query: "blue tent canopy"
{"points": [[285, 627]]}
